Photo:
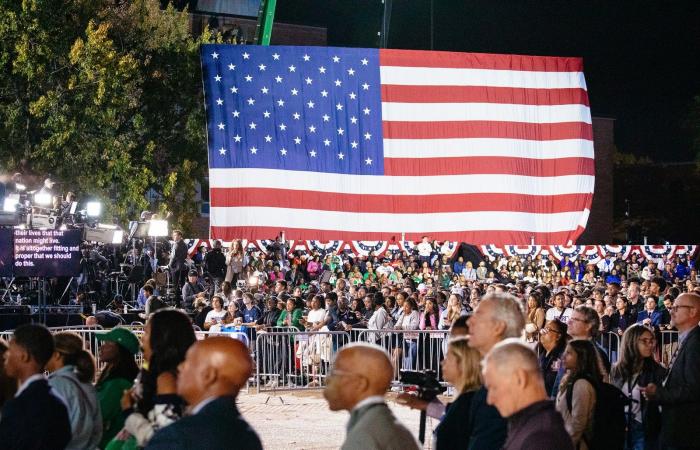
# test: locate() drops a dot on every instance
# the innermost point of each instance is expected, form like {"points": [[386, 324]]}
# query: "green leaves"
{"points": [[107, 98]]}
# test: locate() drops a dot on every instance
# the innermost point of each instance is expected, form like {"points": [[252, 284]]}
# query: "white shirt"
{"points": [[425, 249], [28, 381], [368, 401], [554, 313], [317, 315], [201, 405], [214, 316]]}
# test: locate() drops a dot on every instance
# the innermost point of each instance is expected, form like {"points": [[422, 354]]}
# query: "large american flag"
{"points": [[363, 144]]}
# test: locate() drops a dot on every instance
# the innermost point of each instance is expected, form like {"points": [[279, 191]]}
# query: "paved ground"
{"points": [[304, 421]]}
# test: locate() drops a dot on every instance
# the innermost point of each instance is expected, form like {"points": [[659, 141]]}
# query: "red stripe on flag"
{"points": [[483, 94], [419, 58], [476, 237], [406, 204], [487, 129], [488, 165]]}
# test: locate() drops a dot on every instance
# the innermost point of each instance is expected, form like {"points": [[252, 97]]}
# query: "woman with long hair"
{"points": [[577, 392], [153, 402], [235, 261], [117, 350], [534, 319], [72, 373], [635, 369]]}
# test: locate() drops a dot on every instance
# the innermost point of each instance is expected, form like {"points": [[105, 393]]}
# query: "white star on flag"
{"points": [[368, 161], [231, 67], [253, 150], [341, 156], [312, 153], [246, 55], [222, 151], [219, 102], [336, 59], [215, 55], [222, 126], [218, 78]]}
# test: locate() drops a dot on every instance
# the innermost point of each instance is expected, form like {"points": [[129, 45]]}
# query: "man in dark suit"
{"points": [[360, 378], [679, 394], [35, 417], [650, 316], [178, 255], [209, 379]]}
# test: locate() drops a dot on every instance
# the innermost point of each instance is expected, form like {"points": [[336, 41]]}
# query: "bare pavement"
{"points": [[302, 420]]}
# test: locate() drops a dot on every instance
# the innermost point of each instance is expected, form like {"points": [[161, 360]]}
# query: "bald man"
{"points": [[209, 380], [516, 388], [679, 394], [361, 376]]}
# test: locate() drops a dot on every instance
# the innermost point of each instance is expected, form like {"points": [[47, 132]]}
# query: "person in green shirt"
{"points": [[117, 350], [291, 316]]}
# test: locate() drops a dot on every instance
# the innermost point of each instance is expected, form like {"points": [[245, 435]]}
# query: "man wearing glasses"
{"points": [[679, 393], [360, 378]]}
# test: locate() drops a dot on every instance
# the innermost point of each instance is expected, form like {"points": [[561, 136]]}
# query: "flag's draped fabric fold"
{"points": [[364, 144]]}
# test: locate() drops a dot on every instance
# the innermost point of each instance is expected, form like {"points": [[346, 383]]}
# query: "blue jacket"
{"points": [[656, 317], [218, 425]]}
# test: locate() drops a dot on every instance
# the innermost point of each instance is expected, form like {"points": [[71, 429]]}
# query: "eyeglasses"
{"points": [[549, 330], [675, 308]]}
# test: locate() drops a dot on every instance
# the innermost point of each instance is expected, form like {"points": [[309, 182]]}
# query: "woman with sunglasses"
{"points": [[552, 343], [634, 370]]}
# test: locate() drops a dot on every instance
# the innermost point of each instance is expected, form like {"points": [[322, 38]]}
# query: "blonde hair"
{"points": [[469, 361]]}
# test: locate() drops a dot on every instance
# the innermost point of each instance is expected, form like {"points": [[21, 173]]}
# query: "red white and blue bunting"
{"points": [[593, 253]]}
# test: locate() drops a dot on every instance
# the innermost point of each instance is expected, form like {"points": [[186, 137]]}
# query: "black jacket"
{"points": [[652, 372], [680, 396], [218, 425], [452, 432], [538, 426], [487, 427], [215, 263], [36, 419]]}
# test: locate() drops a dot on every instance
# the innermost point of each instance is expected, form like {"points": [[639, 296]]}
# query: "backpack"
{"points": [[609, 420]]}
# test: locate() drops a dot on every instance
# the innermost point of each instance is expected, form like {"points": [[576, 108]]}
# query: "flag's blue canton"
{"points": [[294, 108]]}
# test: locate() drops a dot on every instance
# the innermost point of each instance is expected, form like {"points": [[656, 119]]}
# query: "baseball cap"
{"points": [[193, 273], [123, 337]]}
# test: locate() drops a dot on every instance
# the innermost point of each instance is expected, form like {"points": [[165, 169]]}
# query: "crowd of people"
{"points": [[184, 393], [524, 356]]}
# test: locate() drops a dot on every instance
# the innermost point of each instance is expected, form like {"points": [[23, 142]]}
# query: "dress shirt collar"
{"points": [[28, 381]]}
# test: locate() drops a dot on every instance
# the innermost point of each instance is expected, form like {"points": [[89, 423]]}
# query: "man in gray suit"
{"points": [[679, 394], [361, 376]]}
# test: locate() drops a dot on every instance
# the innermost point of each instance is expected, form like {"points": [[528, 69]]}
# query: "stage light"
{"points": [[118, 237], [42, 199], [10, 203], [20, 187], [73, 207], [93, 209], [158, 228]]}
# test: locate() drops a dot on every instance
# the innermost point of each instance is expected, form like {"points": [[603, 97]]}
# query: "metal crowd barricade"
{"points": [[296, 360], [667, 343], [610, 342], [410, 349]]}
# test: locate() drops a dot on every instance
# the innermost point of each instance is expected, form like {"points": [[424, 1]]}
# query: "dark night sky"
{"points": [[641, 58]]}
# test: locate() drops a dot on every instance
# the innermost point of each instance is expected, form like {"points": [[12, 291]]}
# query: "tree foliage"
{"points": [[106, 96]]}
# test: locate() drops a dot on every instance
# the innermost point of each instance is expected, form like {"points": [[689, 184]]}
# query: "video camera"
{"points": [[426, 381]]}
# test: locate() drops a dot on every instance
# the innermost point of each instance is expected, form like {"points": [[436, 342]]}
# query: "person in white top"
{"points": [[406, 347], [424, 249], [559, 312], [215, 317]]}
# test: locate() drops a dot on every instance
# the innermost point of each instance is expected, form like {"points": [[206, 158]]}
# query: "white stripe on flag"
{"points": [[447, 112], [512, 148], [433, 76], [399, 185], [384, 222]]}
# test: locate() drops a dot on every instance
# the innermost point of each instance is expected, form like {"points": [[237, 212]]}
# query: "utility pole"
{"points": [[266, 18]]}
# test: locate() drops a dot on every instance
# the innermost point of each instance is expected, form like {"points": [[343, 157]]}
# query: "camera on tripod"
{"points": [[426, 382]]}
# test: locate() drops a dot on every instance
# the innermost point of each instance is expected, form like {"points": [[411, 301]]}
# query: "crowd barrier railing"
{"points": [[288, 359], [414, 350], [296, 360]]}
